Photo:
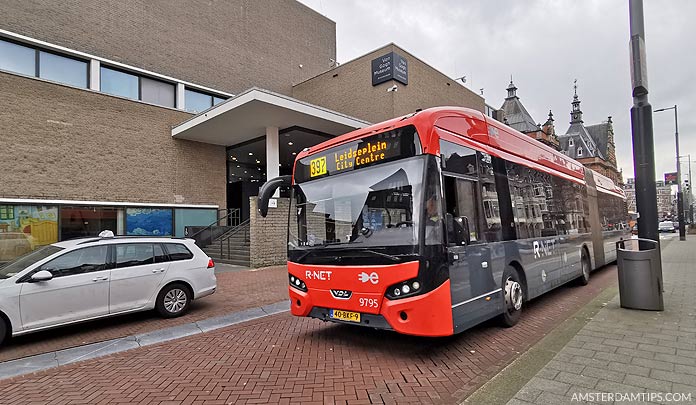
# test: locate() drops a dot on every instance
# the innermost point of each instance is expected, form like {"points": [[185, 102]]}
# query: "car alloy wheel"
{"points": [[175, 300]]}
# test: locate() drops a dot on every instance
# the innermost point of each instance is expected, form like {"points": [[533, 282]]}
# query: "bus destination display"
{"points": [[374, 149]]}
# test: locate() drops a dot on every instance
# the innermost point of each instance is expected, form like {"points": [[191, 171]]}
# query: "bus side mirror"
{"points": [[457, 230], [268, 189], [461, 225]]}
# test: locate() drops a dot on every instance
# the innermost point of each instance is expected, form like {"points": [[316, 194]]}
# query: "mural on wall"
{"points": [[24, 228], [149, 221]]}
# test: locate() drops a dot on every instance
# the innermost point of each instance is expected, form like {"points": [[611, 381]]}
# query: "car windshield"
{"points": [[11, 268], [365, 208]]}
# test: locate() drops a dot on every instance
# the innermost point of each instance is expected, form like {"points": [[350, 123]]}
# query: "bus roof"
{"points": [[473, 128]]}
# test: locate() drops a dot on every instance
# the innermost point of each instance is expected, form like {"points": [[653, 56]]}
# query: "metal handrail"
{"points": [[228, 235], [232, 214]]}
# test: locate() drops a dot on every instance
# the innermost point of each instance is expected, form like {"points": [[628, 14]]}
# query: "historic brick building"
{"points": [[516, 116], [591, 145]]}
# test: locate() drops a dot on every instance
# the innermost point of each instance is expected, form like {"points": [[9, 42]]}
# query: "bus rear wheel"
{"points": [[513, 291]]}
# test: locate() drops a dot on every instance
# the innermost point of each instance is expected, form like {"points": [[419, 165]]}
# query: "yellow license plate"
{"points": [[345, 315], [317, 166]]}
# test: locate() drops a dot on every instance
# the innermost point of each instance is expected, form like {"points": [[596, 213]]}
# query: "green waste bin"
{"points": [[640, 274]]}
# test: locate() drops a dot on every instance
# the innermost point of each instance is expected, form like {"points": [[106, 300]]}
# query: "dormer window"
{"points": [[579, 151], [570, 142]]}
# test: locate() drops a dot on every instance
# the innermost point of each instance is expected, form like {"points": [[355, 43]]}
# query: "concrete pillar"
{"points": [[121, 221], [272, 155], [94, 74], [180, 92]]}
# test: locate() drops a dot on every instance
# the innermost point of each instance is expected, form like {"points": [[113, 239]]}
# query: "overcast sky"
{"points": [[545, 45]]}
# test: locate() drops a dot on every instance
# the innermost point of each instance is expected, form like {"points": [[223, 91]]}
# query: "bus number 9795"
{"points": [[369, 302]]}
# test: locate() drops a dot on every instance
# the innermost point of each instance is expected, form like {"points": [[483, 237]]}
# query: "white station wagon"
{"points": [[89, 278]]}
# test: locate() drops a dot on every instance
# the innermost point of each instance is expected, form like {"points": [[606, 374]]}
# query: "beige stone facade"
{"points": [[348, 88], [268, 240], [229, 45], [65, 143]]}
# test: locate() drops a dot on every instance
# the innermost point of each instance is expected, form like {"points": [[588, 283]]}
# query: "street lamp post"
{"points": [[689, 193], [642, 128], [680, 202]]}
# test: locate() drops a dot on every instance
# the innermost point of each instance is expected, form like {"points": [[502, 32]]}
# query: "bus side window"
{"points": [[462, 200], [490, 184]]}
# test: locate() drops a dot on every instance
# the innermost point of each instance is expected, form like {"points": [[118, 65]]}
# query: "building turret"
{"points": [[512, 90], [611, 147], [548, 127], [576, 113]]}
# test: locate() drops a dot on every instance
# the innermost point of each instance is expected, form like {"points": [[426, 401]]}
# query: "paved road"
{"points": [[237, 290], [282, 359]]}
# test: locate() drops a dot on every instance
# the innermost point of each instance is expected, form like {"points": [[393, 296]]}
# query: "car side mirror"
{"points": [[42, 275], [267, 191]]}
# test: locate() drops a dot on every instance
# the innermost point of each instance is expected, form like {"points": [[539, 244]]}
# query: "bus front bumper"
{"points": [[428, 314]]}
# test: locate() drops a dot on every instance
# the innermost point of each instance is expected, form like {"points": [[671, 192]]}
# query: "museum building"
{"points": [[160, 120]]}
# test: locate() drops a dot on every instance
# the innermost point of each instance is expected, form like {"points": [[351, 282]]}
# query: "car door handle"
{"points": [[158, 270], [104, 278]]}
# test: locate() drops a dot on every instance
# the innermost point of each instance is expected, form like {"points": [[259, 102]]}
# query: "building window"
{"points": [[570, 142], [579, 151], [24, 228], [149, 221], [17, 58], [136, 87], [119, 83], [157, 92], [64, 70], [23, 59], [197, 101]]}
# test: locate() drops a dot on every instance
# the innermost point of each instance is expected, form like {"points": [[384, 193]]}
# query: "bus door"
{"points": [[470, 266]]}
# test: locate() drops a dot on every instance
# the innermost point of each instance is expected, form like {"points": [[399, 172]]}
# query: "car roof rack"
{"points": [[97, 239], [89, 241]]}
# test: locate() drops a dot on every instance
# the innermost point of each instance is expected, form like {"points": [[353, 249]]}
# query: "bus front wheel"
{"points": [[514, 297]]}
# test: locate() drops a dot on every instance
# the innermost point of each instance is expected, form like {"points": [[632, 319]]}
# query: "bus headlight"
{"points": [[297, 283], [403, 289]]}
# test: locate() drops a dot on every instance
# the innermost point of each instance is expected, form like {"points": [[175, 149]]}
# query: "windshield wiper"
{"points": [[354, 249], [390, 257], [373, 252]]}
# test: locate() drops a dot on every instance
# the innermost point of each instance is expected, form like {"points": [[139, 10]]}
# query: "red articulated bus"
{"points": [[433, 222]]}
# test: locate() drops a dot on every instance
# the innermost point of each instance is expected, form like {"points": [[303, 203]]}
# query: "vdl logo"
{"points": [[372, 277]]}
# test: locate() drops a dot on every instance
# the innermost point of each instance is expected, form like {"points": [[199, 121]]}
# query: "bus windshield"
{"points": [[375, 206]]}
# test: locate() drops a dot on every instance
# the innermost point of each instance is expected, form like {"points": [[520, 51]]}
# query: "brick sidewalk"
{"points": [[282, 359], [629, 351], [237, 290]]}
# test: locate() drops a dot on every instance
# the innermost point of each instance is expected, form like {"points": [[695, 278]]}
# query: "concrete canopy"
{"points": [[247, 115]]}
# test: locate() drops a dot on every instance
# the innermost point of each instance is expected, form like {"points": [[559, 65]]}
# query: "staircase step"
{"points": [[225, 254], [235, 262], [225, 244]]}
